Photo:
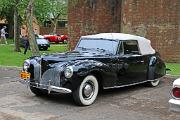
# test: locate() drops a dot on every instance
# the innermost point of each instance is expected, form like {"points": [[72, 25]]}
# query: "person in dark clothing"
{"points": [[26, 44]]}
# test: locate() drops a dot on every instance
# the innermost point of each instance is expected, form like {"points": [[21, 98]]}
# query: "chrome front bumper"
{"points": [[174, 105], [48, 87]]}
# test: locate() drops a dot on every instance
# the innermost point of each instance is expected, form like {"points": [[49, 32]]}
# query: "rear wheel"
{"points": [[65, 42], [151, 76], [87, 92]]}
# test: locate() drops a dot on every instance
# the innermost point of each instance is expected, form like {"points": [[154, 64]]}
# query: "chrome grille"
{"points": [[51, 76]]}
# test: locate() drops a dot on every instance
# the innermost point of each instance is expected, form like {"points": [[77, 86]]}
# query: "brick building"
{"points": [[157, 20]]}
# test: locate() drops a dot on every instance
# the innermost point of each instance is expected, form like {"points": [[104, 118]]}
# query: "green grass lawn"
{"points": [[174, 67], [10, 58], [9, 41]]}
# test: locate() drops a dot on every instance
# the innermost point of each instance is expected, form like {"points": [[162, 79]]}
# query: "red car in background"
{"points": [[56, 38]]}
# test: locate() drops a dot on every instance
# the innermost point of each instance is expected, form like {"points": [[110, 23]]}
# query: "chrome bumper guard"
{"points": [[47, 87]]}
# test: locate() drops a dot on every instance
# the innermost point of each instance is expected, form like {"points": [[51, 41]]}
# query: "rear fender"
{"points": [[153, 61]]}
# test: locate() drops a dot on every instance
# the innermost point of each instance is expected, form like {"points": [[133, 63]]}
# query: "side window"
{"points": [[131, 47], [121, 50]]}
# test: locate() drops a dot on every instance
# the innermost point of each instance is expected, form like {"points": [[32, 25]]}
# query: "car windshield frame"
{"points": [[114, 51]]}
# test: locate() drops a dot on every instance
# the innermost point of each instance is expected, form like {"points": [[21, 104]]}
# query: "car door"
{"points": [[134, 67]]}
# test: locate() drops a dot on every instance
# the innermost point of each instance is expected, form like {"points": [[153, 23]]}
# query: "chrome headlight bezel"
{"points": [[26, 65], [68, 72]]}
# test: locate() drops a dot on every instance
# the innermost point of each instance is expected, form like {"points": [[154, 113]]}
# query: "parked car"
{"points": [[101, 61], [174, 101], [56, 38], [43, 44]]}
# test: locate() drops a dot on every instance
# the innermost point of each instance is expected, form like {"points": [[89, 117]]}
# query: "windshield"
{"points": [[99, 44]]}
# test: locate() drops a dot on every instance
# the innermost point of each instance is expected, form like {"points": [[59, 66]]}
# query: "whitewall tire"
{"points": [[154, 83], [87, 92]]}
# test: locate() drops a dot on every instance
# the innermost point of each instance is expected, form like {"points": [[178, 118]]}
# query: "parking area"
{"points": [[130, 103]]}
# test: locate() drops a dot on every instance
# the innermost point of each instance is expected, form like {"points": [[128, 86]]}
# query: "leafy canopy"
{"points": [[44, 9]]}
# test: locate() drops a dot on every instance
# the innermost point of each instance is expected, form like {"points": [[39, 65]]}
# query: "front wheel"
{"points": [[87, 92]]}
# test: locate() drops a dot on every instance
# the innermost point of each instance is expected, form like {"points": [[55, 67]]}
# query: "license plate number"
{"points": [[25, 75]]}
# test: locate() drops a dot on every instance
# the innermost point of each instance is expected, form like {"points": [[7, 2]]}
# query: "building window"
{"points": [[62, 23], [47, 24]]}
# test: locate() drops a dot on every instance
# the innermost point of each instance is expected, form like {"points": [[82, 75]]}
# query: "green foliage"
{"points": [[50, 10], [44, 9], [6, 8]]}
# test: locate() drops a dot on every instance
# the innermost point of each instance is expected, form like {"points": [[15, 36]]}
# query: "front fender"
{"points": [[84, 67]]}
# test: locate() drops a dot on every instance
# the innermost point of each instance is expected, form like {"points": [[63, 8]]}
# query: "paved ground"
{"points": [[130, 103]]}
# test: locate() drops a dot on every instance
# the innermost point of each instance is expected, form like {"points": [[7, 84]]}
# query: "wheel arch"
{"points": [[156, 67], [99, 77]]}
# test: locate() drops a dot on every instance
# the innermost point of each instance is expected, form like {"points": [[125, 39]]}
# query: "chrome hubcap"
{"points": [[88, 90]]}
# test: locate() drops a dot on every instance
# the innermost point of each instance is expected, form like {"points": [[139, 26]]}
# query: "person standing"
{"points": [[3, 34], [26, 44]]}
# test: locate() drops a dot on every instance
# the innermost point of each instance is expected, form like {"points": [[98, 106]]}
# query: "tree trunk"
{"points": [[16, 29], [29, 23], [10, 27], [10, 24], [55, 26]]}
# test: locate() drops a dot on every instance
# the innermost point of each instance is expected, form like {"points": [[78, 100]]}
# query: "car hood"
{"points": [[75, 55]]}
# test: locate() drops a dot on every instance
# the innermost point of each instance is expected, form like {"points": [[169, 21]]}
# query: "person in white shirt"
{"points": [[3, 34]]}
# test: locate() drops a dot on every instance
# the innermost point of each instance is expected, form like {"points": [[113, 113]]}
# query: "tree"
{"points": [[58, 9], [29, 23], [50, 10], [44, 10], [13, 18]]}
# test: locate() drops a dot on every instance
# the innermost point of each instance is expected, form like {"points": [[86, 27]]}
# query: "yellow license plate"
{"points": [[25, 75]]}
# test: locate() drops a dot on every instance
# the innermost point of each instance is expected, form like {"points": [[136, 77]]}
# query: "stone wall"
{"points": [[157, 20], [92, 16]]}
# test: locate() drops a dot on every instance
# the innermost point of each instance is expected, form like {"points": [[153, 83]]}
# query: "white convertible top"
{"points": [[144, 44]]}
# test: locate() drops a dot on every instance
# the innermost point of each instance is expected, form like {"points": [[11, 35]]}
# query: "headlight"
{"points": [[26, 65], [68, 72]]}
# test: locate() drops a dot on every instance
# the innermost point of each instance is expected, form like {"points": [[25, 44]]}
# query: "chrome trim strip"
{"points": [[124, 85], [59, 89]]}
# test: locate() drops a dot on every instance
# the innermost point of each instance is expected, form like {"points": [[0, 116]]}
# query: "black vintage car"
{"points": [[101, 61]]}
